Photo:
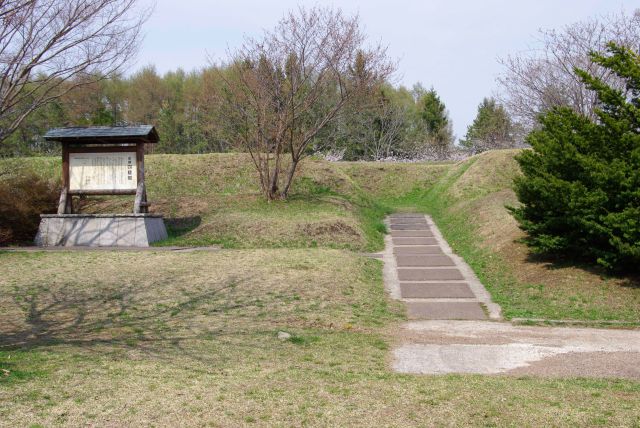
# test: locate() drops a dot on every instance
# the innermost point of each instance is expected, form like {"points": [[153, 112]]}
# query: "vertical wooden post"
{"points": [[140, 204], [65, 205], [62, 203], [65, 165]]}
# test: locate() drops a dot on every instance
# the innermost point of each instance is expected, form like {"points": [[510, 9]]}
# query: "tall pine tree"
{"points": [[434, 116], [491, 129]]}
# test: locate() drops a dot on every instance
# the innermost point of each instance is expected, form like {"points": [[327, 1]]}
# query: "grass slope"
{"points": [[214, 199]]}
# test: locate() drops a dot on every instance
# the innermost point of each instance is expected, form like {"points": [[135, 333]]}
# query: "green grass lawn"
{"points": [[191, 339]]}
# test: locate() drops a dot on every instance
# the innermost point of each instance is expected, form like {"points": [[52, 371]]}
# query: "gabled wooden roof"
{"points": [[103, 134]]}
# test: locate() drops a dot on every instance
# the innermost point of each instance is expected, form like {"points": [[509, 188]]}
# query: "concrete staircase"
{"points": [[434, 283]]}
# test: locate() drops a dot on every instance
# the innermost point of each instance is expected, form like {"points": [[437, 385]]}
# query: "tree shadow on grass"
{"points": [[627, 279], [178, 226], [121, 319]]}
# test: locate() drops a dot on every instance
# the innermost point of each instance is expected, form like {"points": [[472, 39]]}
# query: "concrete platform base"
{"points": [[100, 230]]}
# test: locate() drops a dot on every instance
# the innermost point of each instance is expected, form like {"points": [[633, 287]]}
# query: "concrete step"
{"points": [[419, 226], [407, 221], [415, 241], [445, 311], [422, 249], [431, 290], [425, 274], [411, 233], [423, 260]]}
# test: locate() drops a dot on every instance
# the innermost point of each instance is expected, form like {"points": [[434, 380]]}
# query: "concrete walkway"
{"points": [[487, 347], [455, 326]]}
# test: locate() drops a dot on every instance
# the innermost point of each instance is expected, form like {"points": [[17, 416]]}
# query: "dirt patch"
{"points": [[336, 229]]}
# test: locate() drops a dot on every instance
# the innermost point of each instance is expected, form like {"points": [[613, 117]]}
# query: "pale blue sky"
{"points": [[450, 45]]}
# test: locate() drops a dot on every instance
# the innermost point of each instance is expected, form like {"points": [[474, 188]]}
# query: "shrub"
{"points": [[24, 195], [580, 188]]}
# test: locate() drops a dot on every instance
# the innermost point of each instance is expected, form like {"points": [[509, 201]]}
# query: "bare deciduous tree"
{"points": [[46, 44], [284, 88], [373, 127], [386, 132], [542, 78]]}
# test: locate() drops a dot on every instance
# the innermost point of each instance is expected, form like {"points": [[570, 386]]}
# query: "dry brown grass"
{"points": [[189, 339], [92, 296], [24, 195]]}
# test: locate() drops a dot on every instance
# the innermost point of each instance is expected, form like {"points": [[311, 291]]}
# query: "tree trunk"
{"points": [[290, 174], [272, 192]]}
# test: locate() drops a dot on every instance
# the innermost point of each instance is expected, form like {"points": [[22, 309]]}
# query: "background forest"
{"points": [[192, 112], [189, 111]]}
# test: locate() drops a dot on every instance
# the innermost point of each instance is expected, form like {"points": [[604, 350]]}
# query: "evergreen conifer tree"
{"points": [[580, 188], [491, 129], [435, 119]]}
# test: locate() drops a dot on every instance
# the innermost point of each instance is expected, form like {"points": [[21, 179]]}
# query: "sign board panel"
{"points": [[102, 171]]}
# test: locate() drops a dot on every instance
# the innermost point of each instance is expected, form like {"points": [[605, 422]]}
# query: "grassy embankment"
{"points": [[213, 199], [170, 338]]}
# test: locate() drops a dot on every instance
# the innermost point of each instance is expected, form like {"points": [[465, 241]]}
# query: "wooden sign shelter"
{"points": [[103, 160]]}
